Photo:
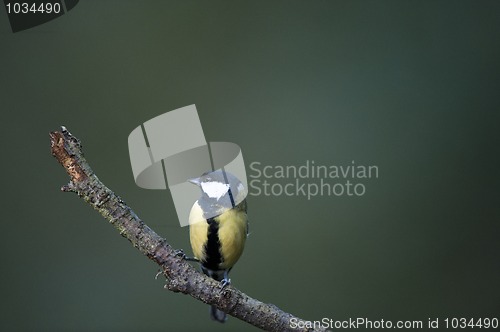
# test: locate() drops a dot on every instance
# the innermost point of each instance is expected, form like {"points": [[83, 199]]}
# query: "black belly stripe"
{"points": [[212, 253]]}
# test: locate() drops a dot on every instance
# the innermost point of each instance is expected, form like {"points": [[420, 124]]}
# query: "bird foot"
{"points": [[224, 282], [180, 253]]}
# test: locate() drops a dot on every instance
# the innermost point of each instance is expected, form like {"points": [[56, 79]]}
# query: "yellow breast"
{"points": [[232, 232], [232, 236], [198, 231]]}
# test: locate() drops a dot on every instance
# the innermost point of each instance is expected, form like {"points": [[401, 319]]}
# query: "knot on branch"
{"points": [[68, 151]]}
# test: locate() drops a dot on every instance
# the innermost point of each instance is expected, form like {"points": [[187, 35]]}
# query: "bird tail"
{"points": [[215, 314]]}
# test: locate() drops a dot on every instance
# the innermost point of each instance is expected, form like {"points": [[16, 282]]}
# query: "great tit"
{"points": [[218, 227]]}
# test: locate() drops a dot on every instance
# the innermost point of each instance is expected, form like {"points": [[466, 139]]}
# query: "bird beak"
{"points": [[195, 181]]}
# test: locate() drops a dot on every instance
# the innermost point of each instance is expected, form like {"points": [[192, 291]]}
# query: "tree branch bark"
{"points": [[181, 276]]}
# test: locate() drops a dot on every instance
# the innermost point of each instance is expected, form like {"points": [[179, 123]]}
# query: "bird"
{"points": [[218, 227]]}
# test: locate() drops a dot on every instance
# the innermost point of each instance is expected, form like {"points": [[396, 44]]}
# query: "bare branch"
{"points": [[181, 276]]}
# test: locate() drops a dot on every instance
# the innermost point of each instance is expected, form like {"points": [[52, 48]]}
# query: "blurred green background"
{"points": [[410, 86]]}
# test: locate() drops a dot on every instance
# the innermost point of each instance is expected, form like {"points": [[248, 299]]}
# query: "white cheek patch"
{"points": [[214, 189]]}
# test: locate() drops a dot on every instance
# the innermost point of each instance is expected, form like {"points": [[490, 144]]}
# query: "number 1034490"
{"points": [[462, 323], [33, 8]]}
